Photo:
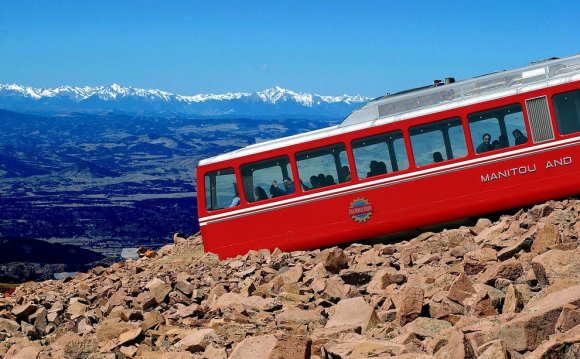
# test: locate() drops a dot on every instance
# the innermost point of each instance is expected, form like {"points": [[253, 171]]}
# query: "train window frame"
{"points": [[339, 154], [426, 152], [566, 125], [213, 192], [386, 151], [275, 185], [496, 117]]}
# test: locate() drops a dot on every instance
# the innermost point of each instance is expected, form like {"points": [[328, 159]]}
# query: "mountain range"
{"points": [[273, 103]]}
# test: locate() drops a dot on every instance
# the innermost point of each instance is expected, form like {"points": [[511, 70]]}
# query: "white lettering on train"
{"points": [[564, 161], [522, 170]]}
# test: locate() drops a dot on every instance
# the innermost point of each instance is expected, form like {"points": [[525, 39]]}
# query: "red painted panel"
{"points": [[436, 198]]}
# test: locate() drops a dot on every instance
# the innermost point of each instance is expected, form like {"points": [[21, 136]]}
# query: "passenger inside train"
{"points": [[437, 157], [288, 186], [345, 174], [519, 137], [486, 145], [236, 200], [260, 194]]}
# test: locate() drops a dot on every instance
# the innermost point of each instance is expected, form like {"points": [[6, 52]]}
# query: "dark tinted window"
{"points": [[497, 128], [267, 179], [323, 166], [567, 108], [438, 141], [380, 154]]}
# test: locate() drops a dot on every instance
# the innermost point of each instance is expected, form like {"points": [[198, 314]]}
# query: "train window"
{"points": [[221, 189], [567, 108], [438, 141], [497, 128], [323, 166], [267, 179], [380, 154]]}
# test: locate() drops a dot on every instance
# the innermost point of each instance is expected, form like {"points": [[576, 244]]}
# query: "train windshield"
{"points": [[221, 190]]}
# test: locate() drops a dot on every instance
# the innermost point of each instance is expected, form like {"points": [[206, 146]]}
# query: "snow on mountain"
{"points": [[273, 102]]}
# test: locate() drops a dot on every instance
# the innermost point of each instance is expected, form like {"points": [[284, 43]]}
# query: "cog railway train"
{"points": [[453, 150]]}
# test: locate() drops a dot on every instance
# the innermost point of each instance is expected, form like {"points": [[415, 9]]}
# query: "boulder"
{"points": [[228, 300], [461, 289], [24, 310], [513, 301], [292, 347], [269, 347], [159, 290], [427, 327], [493, 350], [537, 322], [556, 264], [364, 348], [548, 235], [563, 345], [381, 279], [8, 326], [292, 275], [511, 269], [332, 259], [476, 261], [197, 341], [353, 311], [410, 304], [111, 330], [130, 336], [295, 315], [458, 347], [521, 244], [569, 318], [152, 319], [76, 308]]}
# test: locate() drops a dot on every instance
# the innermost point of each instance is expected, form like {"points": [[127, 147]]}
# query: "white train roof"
{"points": [[439, 97]]}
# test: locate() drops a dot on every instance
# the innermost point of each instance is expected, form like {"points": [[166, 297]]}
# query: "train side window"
{"points": [[567, 108], [221, 189], [497, 128], [370, 153], [267, 179], [438, 141], [323, 166]]}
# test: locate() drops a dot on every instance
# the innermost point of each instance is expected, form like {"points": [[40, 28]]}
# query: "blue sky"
{"points": [[326, 47]]}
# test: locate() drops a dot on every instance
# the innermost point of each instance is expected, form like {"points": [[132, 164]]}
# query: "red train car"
{"points": [[448, 151]]}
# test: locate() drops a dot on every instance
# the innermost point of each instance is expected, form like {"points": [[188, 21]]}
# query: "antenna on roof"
{"points": [[544, 60]]}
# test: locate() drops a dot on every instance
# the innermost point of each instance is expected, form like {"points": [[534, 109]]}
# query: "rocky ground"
{"points": [[507, 289]]}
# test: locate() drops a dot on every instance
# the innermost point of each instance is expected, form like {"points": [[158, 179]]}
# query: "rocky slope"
{"points": [[507, 289]]}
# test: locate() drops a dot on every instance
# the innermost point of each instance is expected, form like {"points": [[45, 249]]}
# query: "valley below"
{"points": [[110, 181]]}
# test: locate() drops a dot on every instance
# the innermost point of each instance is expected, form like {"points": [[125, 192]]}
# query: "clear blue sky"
{"points": [[328, 47]]}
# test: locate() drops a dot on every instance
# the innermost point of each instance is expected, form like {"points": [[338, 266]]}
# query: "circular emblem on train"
{"points": [[360, 210]]}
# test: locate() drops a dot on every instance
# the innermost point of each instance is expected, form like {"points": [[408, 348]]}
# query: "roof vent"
{"points": [[437, 83], [449, 80]]}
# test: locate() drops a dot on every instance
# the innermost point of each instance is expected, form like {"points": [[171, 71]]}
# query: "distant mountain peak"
{"points": [[273, 102]]}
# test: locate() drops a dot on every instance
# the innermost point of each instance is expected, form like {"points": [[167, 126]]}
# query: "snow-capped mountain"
{"points": [[275, 102]]}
